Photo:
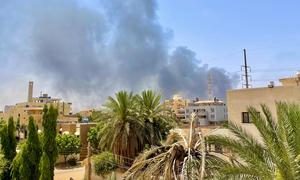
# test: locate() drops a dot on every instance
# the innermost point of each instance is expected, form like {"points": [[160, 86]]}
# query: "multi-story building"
{"points": [[178, 105], [238, 100], [209, 112], [34, 107]]}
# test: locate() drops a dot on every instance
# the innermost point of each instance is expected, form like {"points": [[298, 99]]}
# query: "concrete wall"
{"points": [[84, 129], [239, 100], [70, 127]]}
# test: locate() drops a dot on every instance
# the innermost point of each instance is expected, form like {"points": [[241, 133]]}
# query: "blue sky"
{"points": [[218, 31]]}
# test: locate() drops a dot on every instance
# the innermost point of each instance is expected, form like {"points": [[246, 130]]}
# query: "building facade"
{"points": [[209, 112], [178, 105], [34, 107], [239, 100]]}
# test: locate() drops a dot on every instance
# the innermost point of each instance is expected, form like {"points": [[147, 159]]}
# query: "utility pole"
{"points": [[245, 68]]}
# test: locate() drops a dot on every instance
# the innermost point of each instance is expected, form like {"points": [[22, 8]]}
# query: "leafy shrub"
{"points": [[93, 137], [104, 163], [68, 144]]}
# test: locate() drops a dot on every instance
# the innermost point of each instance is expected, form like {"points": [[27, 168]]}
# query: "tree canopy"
{"points": [[49, 146], [26, 164], [8, 144], [68, 144], [131, 122]]}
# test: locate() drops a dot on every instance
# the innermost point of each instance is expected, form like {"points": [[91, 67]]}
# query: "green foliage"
{"points": [[8, 144], [68, 144], [45, 168], [21, 169], [79, 118], [12, 142], [3, 165], [98, 115], [104, 163], [112, 176], [49, 146], [93, 137], [4, 141], [131, 122], [158, 120], [274, 155], [25, 164]]}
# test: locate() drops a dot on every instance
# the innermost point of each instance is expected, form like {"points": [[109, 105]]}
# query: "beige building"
{"points": [[238, 100], [34, 107], [178, 105], [208, 112]]}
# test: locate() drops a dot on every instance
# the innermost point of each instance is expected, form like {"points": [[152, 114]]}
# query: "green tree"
{"points": [[18, 127], [121, 131], [34, 149], [104, 163], [20, 168], [5, 150], [158, 120], [26, 163], [93, 137], [44, 168], [12, 142], [68, 144], [49, 146], [276, 155], [3, 165], [8, 143]]}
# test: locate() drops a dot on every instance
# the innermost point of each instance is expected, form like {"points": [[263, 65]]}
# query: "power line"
{"points": [[276, 70], [270, 70]]}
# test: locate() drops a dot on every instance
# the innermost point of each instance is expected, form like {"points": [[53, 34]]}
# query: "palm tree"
{"points": [[275, 156], [185, 159], [158, 120], [122, 131]]}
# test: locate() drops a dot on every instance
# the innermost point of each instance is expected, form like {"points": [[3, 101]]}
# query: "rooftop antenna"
{"points": [[209, 86], [246, 77]]}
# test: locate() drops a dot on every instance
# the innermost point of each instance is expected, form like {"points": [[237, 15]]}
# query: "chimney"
{"points": [[30, 91]]}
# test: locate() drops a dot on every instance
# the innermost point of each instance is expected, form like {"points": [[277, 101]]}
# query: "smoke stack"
{"points": [[30, 91]]}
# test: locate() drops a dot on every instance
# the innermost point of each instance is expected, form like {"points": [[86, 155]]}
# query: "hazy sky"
{"points": [[218, 30], [85, 50]]}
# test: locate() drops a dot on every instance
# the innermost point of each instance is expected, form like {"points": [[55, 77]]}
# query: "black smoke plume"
{"points": [[85, 53]]}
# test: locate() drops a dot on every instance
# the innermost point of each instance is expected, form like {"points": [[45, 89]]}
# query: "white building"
{"points": [[207, 112]]}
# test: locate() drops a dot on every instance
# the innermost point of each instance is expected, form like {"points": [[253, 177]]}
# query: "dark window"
{"points": [[218, 148], [245, 117]]}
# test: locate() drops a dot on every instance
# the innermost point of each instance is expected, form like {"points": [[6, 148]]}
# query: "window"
{"points": [[218, 148], [245, 117], [202, 110], [212, 109], [212, 116]]}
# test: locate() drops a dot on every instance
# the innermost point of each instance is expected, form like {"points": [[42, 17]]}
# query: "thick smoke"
{"points": [[85, 52]]}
